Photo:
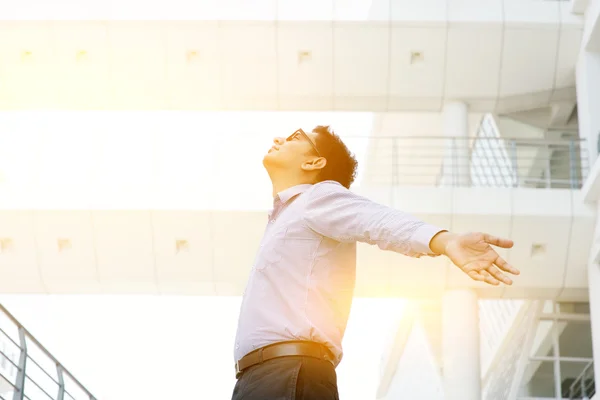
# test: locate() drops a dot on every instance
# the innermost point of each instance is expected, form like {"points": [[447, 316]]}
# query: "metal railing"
{"points": [[584, 387], [475, 162], [24, 377]]}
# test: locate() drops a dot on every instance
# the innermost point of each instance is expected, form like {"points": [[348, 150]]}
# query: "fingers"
{"points": [[483, 276], [503, 265], [496, 273], [496, 241], [489, 278], [476, 276]]}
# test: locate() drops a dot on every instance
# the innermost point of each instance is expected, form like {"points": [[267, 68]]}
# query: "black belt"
{"points": [[283, 349]]}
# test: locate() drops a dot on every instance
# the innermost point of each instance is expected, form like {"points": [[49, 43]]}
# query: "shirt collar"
{"points": [[288, 193]]}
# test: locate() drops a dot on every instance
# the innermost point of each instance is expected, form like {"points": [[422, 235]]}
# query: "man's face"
{"points": [[291, 152]]}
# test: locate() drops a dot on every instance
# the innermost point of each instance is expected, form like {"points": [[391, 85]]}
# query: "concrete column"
{"points": [[460, 345], [588, 103], [457, 168]]}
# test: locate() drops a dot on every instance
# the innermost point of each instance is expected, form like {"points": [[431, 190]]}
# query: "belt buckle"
{"points": [[238, 372]]}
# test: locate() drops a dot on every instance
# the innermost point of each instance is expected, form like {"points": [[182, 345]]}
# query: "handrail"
{"points": [[60, 367], [475, 161], [580, 388], [471, 138]]}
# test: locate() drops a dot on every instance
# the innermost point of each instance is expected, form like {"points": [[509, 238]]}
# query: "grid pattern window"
{"points": [[560, 364], [490, 161]]}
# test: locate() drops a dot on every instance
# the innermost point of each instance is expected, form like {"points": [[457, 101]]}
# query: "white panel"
{"points": [[19, 270], [361, 60], [193, 67], [546, 270], [255, 10], [473, 62], [580, 243], [249, 65], [236, 239], [569, 19], [562, 94], [191, 267], [536, 202], [475, 10], [519, 292], [26, 65], [574, 294], [520, 11], [482, 105], [528, 101], [421, 79], [51, 10], [138, 66], [568, 50], [419, 11], [311, 78], [396, 103], [124, 250], [424, 200], [481, 201], [82, 64], [72, 269], [306, 10], [519, 73], [360, 10]]}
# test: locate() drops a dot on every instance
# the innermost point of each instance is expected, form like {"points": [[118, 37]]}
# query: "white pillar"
{"points": [[460, 345], [457, 168], [588, 102]]}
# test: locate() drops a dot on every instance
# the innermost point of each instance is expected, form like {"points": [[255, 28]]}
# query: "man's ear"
{"points": [[314, 164]]}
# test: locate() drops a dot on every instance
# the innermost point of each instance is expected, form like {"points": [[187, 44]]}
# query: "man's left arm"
{"points": [[336, 212]]}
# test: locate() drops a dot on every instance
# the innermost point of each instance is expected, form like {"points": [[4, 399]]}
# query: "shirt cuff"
{"points": [[422, 237]]}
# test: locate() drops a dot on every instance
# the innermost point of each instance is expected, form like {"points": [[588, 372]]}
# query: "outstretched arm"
{"points": [[335, 212]]}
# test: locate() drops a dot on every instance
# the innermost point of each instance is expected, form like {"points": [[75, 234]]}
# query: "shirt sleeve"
{"points": [[336, 212]]}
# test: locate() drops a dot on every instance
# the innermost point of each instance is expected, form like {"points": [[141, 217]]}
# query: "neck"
{"points": [[282, 182]]}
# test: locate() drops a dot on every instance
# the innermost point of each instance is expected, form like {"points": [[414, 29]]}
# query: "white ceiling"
{"points": [[135, 251], [496, 62]]}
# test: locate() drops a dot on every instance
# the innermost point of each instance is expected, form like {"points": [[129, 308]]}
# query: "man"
{"points": [[297, 300]]}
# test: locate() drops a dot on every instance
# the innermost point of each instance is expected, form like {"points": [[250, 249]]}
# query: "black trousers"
{"points": [[288, 378]]}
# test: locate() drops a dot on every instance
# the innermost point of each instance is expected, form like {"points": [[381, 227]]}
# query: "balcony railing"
{"points": [[475, 162], [584, 386], [28, 371]]}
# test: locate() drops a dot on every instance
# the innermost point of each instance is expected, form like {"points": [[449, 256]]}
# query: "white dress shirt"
{"points": [[302, 281]]}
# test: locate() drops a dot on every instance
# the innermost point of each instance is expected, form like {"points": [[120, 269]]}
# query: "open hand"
{"points": [[473, 253]]}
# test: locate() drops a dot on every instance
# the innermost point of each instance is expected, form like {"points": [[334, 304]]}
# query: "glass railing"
{"points": [[28, 371]]}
